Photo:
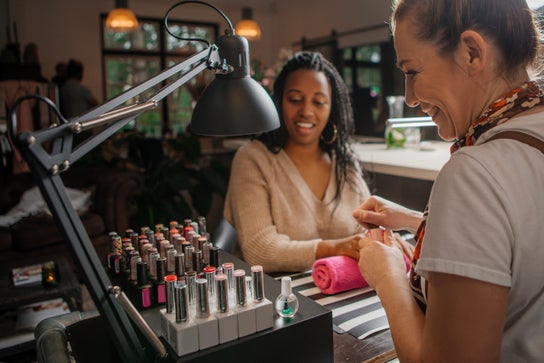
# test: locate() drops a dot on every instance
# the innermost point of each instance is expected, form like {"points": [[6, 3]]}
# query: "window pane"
{"points": [[368, 77], [369, 53], [181, 101], [133, 57], [124, 72], [145, 38], [184, 47], [348, 78]]}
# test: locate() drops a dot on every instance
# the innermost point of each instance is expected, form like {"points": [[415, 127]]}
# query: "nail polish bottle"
{"points": [[246, 312], [264, 308], [143, 296], [182, 331], [159, 287], [208, 326], [286, 303]]}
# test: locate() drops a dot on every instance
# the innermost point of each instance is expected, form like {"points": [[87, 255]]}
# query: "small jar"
{"points": [[395, 137]]}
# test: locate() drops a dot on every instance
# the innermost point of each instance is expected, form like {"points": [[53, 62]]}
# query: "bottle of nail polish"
{"points": [[143, 294], [159, 287], [286, 304]]}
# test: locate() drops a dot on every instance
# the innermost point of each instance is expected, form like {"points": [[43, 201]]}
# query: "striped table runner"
{"points": [[358, 312]]}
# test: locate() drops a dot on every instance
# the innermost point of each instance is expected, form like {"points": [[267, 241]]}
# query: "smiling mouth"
{"points": [[432, 112], [305, 125]]}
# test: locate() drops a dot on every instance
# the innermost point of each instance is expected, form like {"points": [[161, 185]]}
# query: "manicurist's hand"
{"points": [[382, 212], [381, 262], [348, 246]]}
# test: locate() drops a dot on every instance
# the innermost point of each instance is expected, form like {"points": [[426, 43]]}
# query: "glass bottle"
{"points": [[394, 136], [286, 303]]}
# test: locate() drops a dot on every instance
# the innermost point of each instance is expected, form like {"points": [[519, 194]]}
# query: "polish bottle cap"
{"points": [[286, 286], [161, 269], [141, 270]]}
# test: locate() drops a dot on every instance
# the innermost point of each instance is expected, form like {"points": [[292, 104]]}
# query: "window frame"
{"points": [[162, 53]]}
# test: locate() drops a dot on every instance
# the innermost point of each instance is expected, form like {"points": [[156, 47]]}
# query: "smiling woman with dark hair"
{"points": [[292, 190]]}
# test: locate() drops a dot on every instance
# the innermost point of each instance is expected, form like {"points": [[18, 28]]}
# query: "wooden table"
{"points": [[347, 348], [12, 297]]}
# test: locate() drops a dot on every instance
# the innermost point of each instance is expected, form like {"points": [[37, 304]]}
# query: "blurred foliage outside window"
{"points": [[179, 180], [130, 58]]}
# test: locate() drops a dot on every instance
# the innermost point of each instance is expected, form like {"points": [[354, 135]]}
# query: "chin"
{"points": [[446, 136]]}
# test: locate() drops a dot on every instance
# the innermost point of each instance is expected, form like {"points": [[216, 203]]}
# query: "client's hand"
{"points": [[348, 246], [382, 212], [405, 246], [379, 261]]}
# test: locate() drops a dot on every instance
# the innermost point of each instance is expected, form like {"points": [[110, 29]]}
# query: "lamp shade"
{"points": [[234, 104], [247, 27], [121, 18]]}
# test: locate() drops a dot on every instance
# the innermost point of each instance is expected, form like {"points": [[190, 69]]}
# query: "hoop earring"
{"points": [[334, 135]]}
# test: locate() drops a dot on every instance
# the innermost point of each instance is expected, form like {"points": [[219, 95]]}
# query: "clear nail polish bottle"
{"points": [[286, 304]]}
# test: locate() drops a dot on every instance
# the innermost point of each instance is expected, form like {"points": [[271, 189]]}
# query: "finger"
{"points": [[408, 249], [389, 238], [368, 204], [363, 242], [367, 219], [406, 246]]}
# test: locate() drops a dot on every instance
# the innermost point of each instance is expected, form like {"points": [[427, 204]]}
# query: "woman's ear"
{"points": [[473, 52]]}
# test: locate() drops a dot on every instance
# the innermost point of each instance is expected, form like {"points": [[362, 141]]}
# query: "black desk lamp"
{"points": [[233, 104]]}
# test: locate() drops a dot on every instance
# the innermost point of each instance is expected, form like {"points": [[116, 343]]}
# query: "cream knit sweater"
{"points": [[278, 219]]}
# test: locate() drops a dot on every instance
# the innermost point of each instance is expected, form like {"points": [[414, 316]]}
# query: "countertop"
{"points": [[419, 163]]}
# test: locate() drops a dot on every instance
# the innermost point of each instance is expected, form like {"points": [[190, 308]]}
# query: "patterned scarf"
{"points": [[514, 102]]}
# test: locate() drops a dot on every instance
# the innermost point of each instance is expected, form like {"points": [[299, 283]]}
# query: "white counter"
{"points": [[423, 163], [411, 163]]}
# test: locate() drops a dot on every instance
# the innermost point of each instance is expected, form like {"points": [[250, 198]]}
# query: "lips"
{"points": [[305, 125]]}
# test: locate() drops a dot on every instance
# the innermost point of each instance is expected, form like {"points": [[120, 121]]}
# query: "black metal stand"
{"points": [[50, 152]]}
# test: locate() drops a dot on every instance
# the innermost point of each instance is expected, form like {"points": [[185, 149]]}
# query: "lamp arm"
{"points": [[47, 166], [110, 113]]}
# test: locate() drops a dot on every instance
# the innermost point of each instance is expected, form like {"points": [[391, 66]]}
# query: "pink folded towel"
{"points": [[336, 274], [339, 273]]}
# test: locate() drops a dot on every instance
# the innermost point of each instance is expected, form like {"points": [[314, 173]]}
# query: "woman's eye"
{"points": [[294, 100], [410, 74]]}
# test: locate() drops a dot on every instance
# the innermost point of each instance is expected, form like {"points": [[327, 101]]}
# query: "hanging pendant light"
{"points": [[247, 27], [121, 18]]}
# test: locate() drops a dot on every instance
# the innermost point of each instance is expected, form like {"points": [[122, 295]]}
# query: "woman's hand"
{"points": [[378, 211], [379, 261], [348, 246]]}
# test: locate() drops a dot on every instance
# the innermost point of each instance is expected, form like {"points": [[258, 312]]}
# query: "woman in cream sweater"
{"points": [[292, 190]]}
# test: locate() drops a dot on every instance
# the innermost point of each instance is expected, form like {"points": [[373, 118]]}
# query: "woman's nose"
{"points": [[410, 98], [306, 108]]}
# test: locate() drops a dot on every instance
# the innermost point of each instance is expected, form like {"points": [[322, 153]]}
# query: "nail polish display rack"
{"points": [[195, 318]]}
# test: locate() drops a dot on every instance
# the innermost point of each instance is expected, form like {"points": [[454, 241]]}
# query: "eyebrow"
{"points": [[295, 90]]}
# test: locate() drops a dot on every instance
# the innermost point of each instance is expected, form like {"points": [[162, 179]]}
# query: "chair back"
{"points": [[225, 236]]}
